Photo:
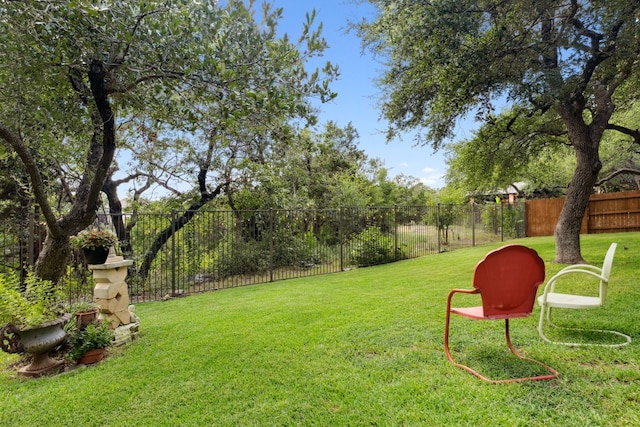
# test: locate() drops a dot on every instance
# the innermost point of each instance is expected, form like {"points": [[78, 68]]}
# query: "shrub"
{"points": [[94, 336], [290, 251], [40, 302], [372, 247], [243, 258]]}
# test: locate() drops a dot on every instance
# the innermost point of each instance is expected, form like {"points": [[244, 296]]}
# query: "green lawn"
{"points": [[358, 348]]}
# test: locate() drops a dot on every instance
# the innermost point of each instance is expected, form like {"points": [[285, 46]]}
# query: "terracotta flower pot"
{"points": [[92, 356], [83, 318]]}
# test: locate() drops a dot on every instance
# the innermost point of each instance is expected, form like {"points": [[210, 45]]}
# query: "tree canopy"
{"points": [[73, 70], [206, 100], [561, 65], [494, 158]]}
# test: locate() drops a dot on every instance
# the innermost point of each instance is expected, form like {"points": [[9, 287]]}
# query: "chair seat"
{"points": [[470, 312], [477, 313], [570, 301]]}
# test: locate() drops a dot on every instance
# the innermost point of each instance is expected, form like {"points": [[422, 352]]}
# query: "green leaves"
{"points": [[505, 150], [94, 336], [446, 57], [40, 302], [196, 72], [188, 65]]}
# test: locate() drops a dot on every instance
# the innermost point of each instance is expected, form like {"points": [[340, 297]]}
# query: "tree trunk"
{"points": [[110, 188], [55, 251], [177, 223], [52, 261], [567, 232], [162, 238], [586, 142]]}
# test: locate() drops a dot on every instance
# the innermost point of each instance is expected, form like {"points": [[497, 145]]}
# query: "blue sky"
{"points": [[357, 93]]}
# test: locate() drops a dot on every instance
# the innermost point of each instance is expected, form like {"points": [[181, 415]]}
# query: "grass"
{"points": [[362, 347]]}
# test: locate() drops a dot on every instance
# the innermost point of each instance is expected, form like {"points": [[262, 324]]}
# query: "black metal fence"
{"points": [[185, 252]]}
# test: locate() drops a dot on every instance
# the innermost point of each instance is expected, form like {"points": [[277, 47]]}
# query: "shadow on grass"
{"points": [[495, 362], [582, 336]]}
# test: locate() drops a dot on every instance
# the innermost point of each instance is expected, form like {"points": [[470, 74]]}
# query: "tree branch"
{"points": [[100, 156], [635, 134], [616, 173], [158, 76], [37, 184]]}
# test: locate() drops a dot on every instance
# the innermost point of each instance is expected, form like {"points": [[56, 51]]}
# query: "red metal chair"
{"points": [[507, 280]]}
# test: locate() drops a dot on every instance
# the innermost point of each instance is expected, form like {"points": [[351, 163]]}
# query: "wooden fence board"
{"points": [[606, 213]]}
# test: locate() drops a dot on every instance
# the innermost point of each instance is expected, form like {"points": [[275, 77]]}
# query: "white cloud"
{"points": [[433, 178]]}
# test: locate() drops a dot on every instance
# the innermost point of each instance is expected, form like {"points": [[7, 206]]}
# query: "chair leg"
{"points": [[448, 352], [551, 376], [513, 350], [544, 311], [576, 344], [446, 337]]}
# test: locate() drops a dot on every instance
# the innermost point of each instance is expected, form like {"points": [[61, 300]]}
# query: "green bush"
{"points": [[492, 218], [41, 301], [94, 336], [253, 257], [295, 251], [508, 218], [241, 258], [372, 247]]}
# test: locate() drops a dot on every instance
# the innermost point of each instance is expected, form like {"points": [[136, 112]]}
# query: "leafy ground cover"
{"points": [[362, 347]]}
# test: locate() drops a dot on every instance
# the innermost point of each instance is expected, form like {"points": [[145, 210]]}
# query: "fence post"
{"points": [[173, 252], [28, 260], [438, 226], [473, 225], [524, 220], [396, 249], [271, 225], [502, 222], [340, 226]]}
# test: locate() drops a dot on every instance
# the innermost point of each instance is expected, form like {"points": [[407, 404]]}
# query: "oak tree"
{"points": [[72, 70], [563, 61]]}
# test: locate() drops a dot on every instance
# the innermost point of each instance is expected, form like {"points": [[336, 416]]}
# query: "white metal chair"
{"points": [[552, 299]]}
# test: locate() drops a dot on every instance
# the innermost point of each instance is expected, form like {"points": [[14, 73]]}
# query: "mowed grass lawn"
{"points": [[358, 348]]}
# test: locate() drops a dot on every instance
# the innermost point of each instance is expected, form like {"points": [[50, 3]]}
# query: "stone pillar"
{"points": [[111, 292]]}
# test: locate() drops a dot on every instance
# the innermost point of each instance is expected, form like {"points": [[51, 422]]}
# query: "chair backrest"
{"points": [[606, 271], [508, 279]]}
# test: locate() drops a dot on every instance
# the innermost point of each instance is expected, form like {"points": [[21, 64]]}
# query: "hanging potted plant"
{"points": [[95, 243], [88, 344], [32, 321]]}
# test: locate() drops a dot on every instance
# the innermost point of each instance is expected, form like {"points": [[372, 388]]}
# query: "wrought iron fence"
{"points": [[185, 252]]}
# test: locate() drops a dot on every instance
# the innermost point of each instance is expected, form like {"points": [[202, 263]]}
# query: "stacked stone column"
{"points": [[111, 292]]}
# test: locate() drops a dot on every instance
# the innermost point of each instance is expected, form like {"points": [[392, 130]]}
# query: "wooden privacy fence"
{"points": [[606, 213]]}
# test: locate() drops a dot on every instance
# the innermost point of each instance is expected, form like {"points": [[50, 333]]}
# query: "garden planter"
{"points": [[97, 255], [92, 356], [83, 318], [37, 341]]}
